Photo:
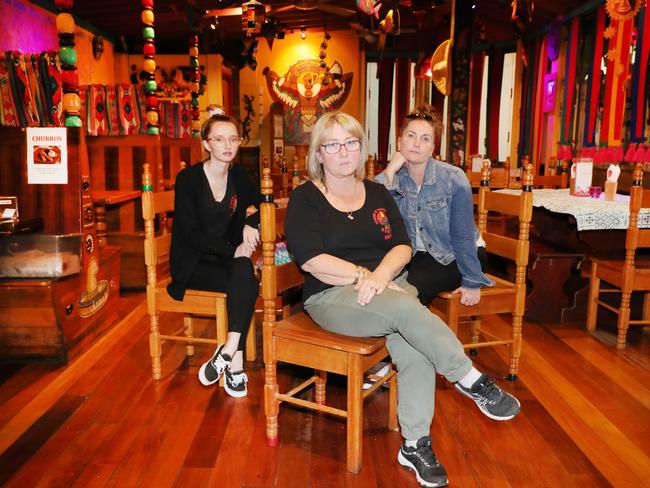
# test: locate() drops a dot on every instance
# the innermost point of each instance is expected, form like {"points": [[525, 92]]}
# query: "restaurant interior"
{"points": [[543, 104]]}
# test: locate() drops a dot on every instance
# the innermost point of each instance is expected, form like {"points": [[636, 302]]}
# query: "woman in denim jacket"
{"points": [[435, 200]]}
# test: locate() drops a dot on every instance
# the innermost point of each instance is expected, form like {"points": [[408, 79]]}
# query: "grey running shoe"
{"points": [[235, 384], [211, 370], [492, 400], [423, 462]]}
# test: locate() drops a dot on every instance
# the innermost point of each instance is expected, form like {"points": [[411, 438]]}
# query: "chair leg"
{"points": [[355, 413], [154, 345], [592, 297], [271, 404], [222, 327], [392, 404], [189, 331], [623, 321], [515, 351], [319, 395], [251, 351], [476, 330]]}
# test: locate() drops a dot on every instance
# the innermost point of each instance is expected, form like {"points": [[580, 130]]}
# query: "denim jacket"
{"points": [[445, 213]]}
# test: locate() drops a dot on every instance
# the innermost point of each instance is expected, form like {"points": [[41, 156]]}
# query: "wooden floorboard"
{"points": [[101, 421]]}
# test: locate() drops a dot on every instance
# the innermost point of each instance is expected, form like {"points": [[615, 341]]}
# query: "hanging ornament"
{"points": [[65, 26], [149, 67], [252, 17], [194, 83]]}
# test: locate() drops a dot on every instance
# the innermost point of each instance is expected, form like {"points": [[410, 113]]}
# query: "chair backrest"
{"points": [[636, 238], [559, 180], [156, 248], [519, 206]]}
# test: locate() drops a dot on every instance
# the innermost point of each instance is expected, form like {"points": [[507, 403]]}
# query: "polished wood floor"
{"points": [[102, 421]]}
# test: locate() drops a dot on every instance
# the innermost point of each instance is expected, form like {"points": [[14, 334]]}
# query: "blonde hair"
{"points": [[319, 135]]}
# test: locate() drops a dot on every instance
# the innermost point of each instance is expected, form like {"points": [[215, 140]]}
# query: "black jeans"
{"points": [[236, 278], [430, 277]]}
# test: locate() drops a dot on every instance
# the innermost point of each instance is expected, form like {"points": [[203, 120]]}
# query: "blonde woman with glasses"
{"points": [[212, 242], [348, 237]]}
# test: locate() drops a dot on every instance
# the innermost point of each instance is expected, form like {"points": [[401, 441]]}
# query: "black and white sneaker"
{"points": [[423, 462], [236, 383], [492, 400], [211, 370]]}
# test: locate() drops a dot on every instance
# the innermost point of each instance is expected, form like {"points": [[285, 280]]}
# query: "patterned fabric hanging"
{"points": [[569, 83], [640, 94], [593, 83]]}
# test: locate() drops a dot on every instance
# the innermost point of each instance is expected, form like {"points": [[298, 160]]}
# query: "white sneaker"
{"points": [[384, 369]]}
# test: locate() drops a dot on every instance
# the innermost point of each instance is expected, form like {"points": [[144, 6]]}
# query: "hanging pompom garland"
{"points": [[68, 57], [194, 64], [149, 66]]}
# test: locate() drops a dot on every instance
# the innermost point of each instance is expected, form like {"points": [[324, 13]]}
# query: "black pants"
{"points": [[430, 277], [236, 278]]}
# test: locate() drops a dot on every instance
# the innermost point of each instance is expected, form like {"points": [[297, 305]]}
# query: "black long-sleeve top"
{"points": [[204, 229], [363, 237]]}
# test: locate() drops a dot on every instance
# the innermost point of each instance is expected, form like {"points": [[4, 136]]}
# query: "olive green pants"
{"points": [[420, 344]]}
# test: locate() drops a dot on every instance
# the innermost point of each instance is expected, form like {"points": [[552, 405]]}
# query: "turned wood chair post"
{"points": [[150, 262], [295, 181], [370, 167], [523, 249], [636, 193], [267, 218], [355, 413]]}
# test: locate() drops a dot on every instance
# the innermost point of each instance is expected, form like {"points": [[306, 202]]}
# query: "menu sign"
{"points": [[47, 155], [584, 171]]}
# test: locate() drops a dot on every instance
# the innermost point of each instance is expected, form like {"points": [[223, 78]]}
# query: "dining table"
{"points": [[566, 231]]}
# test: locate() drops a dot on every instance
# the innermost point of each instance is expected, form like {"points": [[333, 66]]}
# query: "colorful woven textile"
{"points": [[175, 119], [128, 112]]}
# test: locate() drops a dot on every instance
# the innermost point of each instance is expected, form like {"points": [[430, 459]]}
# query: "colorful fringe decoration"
{"points": [[639, 94], [569, 82], [593, 85], [618, 60], [196, 77]]}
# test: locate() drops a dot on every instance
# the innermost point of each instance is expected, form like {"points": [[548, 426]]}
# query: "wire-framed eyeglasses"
{"points": [[353, 145], [221, 141], [419, 115]]}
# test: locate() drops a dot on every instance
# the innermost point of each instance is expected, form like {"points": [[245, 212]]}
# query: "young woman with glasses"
{"points": [[348, 237], [212, 241], [435, 200]]}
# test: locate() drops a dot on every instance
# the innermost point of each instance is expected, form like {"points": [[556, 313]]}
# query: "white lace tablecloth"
{"points": [[589, 213]]}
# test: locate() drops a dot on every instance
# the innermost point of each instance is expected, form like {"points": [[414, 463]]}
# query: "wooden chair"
{"points": [[298, 340], [560, 180], [626, 275], [506, 296], [196, 302]]}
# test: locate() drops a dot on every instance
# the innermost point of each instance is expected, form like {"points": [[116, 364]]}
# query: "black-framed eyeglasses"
{"points": [[221, 141], [353, 145], [419, 115]]}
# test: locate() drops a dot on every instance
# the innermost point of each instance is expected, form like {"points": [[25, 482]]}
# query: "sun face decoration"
{"points": [[623, 9]]}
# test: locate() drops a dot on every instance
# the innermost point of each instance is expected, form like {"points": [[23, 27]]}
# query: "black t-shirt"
{"points": [[313, 226]]}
